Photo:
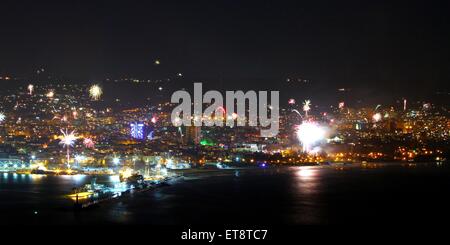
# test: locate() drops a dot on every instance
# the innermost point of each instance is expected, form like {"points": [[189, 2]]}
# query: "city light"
{"points": [[80, 158], [116, 160], [126, 173], [2, 117], [137, 130]]}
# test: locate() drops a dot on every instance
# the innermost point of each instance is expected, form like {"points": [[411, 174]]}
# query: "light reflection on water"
{"points": [[8, 178], [307, 180], [305, 194], [306, 173], [76, 178], [292, 195]]}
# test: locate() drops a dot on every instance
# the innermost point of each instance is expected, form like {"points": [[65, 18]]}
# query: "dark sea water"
{"points": [[391, 194]]}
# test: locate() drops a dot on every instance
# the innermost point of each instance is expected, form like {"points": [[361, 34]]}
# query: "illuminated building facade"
{"points": [[137, 130]]}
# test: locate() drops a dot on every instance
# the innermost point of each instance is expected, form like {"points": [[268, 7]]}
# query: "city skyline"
{"points": [[226, 120]]}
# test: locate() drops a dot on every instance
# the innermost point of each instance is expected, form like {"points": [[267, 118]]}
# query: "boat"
{"points": [[174, 166], [340, 164], [132, 179], [222, 166], [41, 171]]}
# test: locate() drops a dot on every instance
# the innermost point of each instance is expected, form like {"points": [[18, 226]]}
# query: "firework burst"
{"points": [[2, 117], [95, 92], [88, 143], [30, 89], [306, 106], [67, 140], [376, 117], [309, 133], [50, 94]]}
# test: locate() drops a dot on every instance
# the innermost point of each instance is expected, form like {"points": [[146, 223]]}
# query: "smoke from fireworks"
{"points": [[95, 92]]}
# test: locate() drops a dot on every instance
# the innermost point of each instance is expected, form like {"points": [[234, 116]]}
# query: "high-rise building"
{"points": [[193, 135]]}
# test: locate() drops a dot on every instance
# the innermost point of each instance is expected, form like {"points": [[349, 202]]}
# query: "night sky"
{"points": [[378, 46]]}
